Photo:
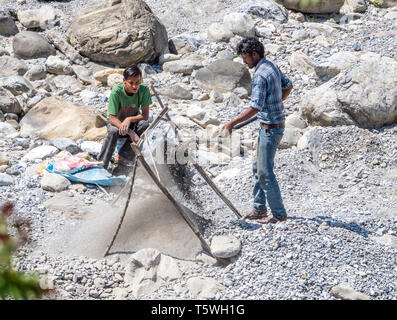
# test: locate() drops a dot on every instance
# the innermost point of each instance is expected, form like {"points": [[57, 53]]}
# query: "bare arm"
{"points": [[124, 127], [247, 114], [139, 117], [285, 93]]}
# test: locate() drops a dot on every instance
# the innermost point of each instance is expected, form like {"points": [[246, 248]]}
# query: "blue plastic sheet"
{"points": [[92, 175]]}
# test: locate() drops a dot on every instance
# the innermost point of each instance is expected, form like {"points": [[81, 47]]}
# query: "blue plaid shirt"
{"points": [[266, 92]]}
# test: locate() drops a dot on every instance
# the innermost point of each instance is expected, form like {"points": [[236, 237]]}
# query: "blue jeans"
{"points": [[266, 186]]}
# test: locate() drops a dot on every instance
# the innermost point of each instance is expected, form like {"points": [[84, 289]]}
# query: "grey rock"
{"points": [[91, 147], [184, 66], [17, 85], [299, 35], [7, 24], [225, 246], [36, 72], [7, 130], [388, 240], [351, 6], [240, 24], [31, 45], [301, 62], [84, 74], [295, 120], [66, 144], [334, 64], [40, 152], [54, 182], [146, 258], [203, 288], [225, 55], [290, 137], [176, 92], [265, 9], [57, 65], [344, 292], [59, 42], [224, 76], [6, 180], [45, 17], [12, 66], [114, 79], [219, 32], [168, 269], [69, 83], [8, 102], [184, 44]]}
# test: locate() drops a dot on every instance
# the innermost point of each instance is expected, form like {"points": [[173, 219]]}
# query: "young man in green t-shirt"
{"points": [[127, 115]]}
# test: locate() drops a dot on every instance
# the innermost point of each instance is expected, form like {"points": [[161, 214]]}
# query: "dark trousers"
{"points": [[110, 141]]}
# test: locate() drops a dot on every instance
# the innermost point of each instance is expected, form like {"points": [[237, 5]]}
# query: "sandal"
{"points": [[273, 219], [255, 215], [120, 160]]}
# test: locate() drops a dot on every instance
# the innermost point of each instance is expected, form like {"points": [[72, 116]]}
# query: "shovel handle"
{"points": [[244, 123]]}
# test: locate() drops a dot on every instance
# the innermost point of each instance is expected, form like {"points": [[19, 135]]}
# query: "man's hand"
{"points": [[133, 135], [125, 126], [227, 129]]}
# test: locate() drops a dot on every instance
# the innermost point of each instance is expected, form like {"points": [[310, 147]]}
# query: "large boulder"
{"points": [[364, 95], [224, 76], [309, 6], [119, 32], [53, 118], [7, 25], [31, 45]]}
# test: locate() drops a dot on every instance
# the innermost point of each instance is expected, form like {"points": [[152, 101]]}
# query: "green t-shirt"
{"points": [[123, 106]]}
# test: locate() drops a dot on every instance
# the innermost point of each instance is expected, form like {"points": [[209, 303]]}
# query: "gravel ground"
{"points": [[340, 196]]}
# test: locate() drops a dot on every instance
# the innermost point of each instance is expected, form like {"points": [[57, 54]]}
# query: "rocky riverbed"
{"points": [[336, 166]]}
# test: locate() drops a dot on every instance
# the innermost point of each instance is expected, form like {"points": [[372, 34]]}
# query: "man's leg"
{"points": [[108, 145], [139, 128], [267, 146], [259, 194]]}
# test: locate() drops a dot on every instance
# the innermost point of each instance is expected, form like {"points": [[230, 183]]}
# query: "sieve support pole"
{"points": [[125, 209], [217, 191]]}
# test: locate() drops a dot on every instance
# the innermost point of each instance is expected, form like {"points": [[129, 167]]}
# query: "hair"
{"points": [[249, 45], [132, 71]]}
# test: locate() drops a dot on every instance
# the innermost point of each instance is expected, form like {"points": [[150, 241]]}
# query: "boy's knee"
{"points": [[112, 130]]}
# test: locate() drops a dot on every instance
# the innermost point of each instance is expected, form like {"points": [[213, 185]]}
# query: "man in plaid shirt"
{"points": [[269, 88]]}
